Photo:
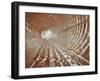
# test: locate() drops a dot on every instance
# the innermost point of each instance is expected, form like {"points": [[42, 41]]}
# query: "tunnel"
{"points": [[56, 40]]}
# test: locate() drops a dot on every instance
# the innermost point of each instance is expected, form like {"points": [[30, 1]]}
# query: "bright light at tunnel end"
{"points": [[47, 34]]}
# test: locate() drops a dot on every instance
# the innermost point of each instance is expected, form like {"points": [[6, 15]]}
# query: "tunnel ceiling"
{"points": [[54, 40]]}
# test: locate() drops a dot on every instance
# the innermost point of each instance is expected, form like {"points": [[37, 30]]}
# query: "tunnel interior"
{"points": [[56, 40]]}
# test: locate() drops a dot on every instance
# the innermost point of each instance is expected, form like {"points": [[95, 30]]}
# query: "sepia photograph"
{"points": [[56, 40]]}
